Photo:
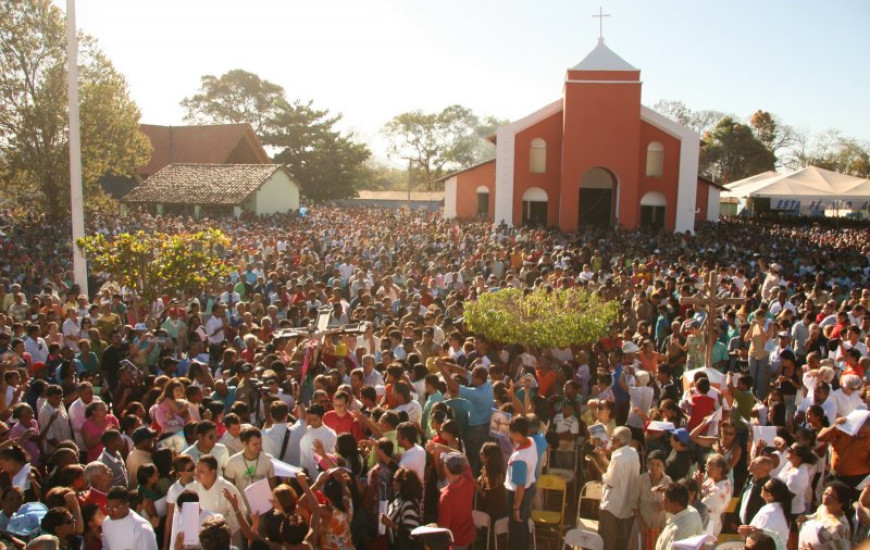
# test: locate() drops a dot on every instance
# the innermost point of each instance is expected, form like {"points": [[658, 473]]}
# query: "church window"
{"points": [[538, 156], [655, 160]]}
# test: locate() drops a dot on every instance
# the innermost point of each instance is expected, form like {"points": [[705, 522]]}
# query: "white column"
{"points": [[77, 208], [504, 175], [159, 209], [197, 211], [237, 211]]}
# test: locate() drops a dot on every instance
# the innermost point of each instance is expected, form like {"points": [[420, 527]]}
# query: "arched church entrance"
{"points": [[652, 210], [535, 207], [597, 198]]}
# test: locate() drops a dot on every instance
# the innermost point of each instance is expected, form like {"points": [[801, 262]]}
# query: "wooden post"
{"points": [[709, 299]]}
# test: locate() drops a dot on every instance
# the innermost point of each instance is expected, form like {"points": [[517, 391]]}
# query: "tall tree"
{"points": [[233, 98], [33, 109], [833, 151], [733, 152], [778, 138], [326, 163], [436, 142]]}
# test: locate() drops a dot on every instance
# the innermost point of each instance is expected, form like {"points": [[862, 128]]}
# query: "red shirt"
{"points": [[454, 509], [96, 497], [343, 424], [702, 406]]}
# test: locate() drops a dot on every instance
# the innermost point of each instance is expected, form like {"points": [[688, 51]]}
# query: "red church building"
{"points": [[595, 157]]}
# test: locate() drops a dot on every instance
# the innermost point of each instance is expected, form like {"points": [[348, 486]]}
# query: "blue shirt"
{"points": [[228, 400], [618, 393], [482, 400]]}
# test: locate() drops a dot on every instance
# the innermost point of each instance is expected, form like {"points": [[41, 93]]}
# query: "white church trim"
{"points": [[690, 151], [450, 186], [505, 155]]}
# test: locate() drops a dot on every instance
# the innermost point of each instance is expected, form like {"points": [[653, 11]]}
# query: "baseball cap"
{"points": [[456, 463], [682, 434]]}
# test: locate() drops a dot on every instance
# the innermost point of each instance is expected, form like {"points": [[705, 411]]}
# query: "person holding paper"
{"points": [[250, 465], [684, 521], [621, 482], [175, 527], [125, 529], [850, 453], [520, 482], [796, 474], [210, 486], [184, 467], [829, 528], [775, 515], [715, 491], [649, 515]]}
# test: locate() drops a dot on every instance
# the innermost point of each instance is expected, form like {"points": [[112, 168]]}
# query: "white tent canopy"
{"points": [[805, 184]]}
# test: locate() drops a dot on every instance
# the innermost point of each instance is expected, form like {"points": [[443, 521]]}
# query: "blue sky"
{"points": [[804, 61]]}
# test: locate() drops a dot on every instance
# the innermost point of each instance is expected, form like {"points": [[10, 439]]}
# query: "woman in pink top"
{"points": [[97, 421], [27, 428]]}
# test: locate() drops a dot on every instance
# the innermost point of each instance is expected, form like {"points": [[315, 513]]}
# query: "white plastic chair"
{"points": [[592, 490], [482, 521], [587, 540]]}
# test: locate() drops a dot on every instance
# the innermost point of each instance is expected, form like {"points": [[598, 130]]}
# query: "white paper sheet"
{"points": [[863, 483], [767, 433], [641, 398], [657, 426], [259, 496], [693, 543], [854, 421], [190, 521], [424, 530], [382, 509], [809, 534], [282, 469]]}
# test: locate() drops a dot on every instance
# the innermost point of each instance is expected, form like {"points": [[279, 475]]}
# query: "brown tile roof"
{"points": [[212, 144], [400, 195], [223, 184]]}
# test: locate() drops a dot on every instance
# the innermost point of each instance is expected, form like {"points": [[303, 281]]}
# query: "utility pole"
{"points": [[77, 209]]}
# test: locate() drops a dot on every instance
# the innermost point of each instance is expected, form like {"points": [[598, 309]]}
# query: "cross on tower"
{"points": [[708, 298], [601, 15]]}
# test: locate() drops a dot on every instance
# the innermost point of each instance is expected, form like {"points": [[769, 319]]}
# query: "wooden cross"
{"points": [[709, 298], [601, 15]]}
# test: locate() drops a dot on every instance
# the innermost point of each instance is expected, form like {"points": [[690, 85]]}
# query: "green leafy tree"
{"points": [[545, 319], [434, 143], [733, 152], [833, 151], [326, 163], [33, 109], [155, 264]]}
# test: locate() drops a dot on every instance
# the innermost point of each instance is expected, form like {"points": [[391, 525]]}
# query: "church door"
{"points": [[597, 198], [535, 207], [653, 206]]}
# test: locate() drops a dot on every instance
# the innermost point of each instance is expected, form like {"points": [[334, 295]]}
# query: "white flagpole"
{"points": [[80, 268]]}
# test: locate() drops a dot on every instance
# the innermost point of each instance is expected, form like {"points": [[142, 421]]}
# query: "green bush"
{"points": [[546, 319]]}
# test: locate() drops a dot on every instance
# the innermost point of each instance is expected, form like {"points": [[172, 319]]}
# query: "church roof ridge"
{"points": [[602, 58]]}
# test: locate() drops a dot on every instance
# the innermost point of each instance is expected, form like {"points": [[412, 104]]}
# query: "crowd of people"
{"points": [[335, 364]]}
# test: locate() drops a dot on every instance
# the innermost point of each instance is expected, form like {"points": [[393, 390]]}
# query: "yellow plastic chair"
{"points": [[548, 521]]}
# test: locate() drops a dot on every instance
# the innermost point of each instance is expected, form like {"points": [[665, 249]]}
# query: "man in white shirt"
{"points": [[77, 411], [125, 529], [211, 486], [315, 431], [847, 398], [274, 435], [252, 464], [621, 480], [71, 329], [206, 444], [684, 521], [408, 404], [413, 455], [53, 419], [35, 345], [820, 396]]}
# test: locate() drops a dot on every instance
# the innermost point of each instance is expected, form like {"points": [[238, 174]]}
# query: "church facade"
{"points": [[595, 157]]}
